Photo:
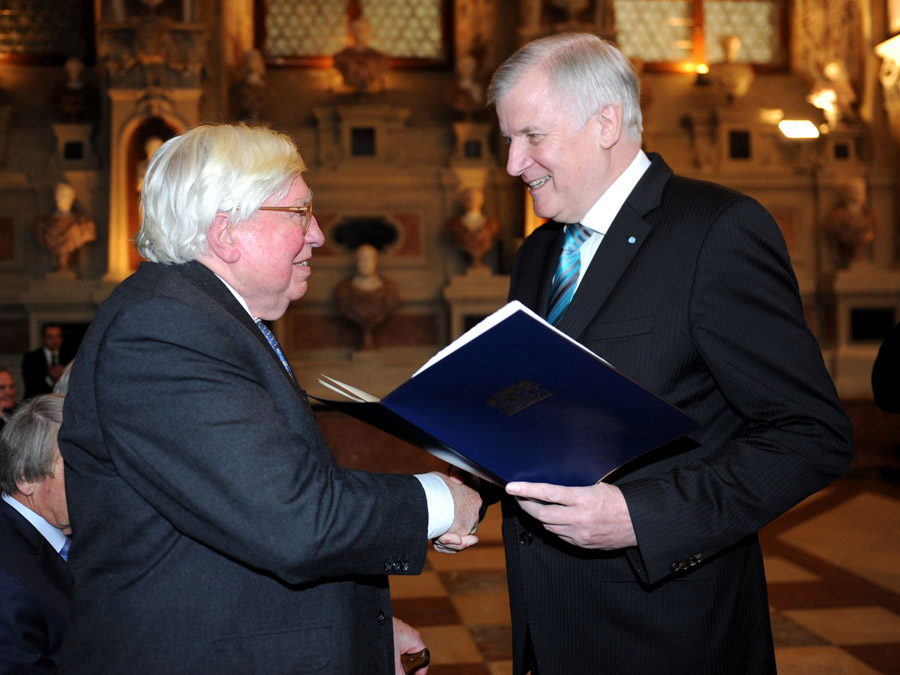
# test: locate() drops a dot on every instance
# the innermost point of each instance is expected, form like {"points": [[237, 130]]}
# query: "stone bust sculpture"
{"points": [[731, 77], [852, 224], [474, 231], [249, 92], [362, 67], [64, 232], [151, 145], [365, 297], [76, 99], [466, 95]]}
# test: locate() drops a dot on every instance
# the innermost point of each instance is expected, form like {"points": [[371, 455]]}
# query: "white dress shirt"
{"points": [[54, 536], [605, 209]]}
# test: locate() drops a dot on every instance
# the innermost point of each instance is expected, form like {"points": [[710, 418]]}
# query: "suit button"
{"points": [[387, 567], [381, 617], [526, 538], [395, 566], [405, 566], [674, 567]]}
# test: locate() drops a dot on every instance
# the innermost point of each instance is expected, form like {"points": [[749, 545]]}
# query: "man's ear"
{"points": [[220, 238], [25, 487], [609, 117]]}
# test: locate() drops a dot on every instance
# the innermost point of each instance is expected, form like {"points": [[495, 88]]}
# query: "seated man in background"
{"points": [[35, 585]]}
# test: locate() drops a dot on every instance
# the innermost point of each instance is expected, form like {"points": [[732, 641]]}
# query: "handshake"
{"points": [[466, 513]]}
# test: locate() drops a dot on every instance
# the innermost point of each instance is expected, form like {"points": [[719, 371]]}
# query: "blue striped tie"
{"points": [[270, 336], [563, 287]]}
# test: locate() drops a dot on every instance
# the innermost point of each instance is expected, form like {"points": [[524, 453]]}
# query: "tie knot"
{"points": [[576, 235]]}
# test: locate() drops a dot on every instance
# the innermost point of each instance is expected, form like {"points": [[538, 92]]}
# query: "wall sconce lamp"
{"points": [[798, 129], [702, 71]]}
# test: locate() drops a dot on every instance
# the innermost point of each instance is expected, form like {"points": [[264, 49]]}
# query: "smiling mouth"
{"points": [[535, 184], [305, 263]]}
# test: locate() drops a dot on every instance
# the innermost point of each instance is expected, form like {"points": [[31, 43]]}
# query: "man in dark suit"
{"points": [[687, 288], [42, 367], [35, 585], [215, 532]]}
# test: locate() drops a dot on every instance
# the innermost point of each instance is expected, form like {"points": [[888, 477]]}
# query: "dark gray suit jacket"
{"points": [[214, 532], [34, 597], [692, 294]]}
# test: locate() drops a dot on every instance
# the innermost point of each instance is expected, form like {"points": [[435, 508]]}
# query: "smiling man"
{"points": [[687, 288], [215, 532]]}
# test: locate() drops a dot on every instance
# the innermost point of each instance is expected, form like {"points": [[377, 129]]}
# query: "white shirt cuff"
{"points": [[440, 504]]}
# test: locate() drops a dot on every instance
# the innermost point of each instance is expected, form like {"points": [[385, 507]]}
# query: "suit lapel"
{"points": [[537, 261], [627, 233], [33, 543], [202, 277]]}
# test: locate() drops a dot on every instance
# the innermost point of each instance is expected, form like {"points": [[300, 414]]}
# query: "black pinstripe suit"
{"points": [[691, 293]]}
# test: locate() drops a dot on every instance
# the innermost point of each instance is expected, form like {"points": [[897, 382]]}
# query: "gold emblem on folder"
{"points": [[517, 397]]}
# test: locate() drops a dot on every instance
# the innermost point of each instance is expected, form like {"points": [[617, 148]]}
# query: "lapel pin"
{"points": [[631, 240]]}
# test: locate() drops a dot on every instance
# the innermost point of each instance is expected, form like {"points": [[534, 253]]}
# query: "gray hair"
{"points": [[586, 71], [205, 171], [27, 441]]}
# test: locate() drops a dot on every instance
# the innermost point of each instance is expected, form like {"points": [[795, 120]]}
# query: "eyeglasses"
{"points": [[305, 213]]}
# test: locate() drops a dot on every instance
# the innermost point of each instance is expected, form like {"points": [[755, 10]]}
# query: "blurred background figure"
{"points": [[42, 367]]}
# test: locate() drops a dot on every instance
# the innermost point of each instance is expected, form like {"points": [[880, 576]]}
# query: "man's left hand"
{"points": [[407, 640], [595, 516]]}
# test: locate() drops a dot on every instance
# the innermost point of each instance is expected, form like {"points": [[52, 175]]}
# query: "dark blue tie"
{"points": [[64, 551], [277, 347], [564, 281]]}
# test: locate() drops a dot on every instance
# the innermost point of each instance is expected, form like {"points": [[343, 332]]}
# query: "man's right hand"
{"points": [[466, 507]]}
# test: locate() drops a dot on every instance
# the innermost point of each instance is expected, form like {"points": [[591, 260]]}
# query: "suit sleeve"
{"points": [[23, 630], [194, 424], [785, 432]]}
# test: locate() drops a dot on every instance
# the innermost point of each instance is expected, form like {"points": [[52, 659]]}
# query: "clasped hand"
{"points": [[467, 507], [593, 517]]}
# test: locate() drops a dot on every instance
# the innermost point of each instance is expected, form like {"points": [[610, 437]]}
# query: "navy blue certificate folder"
{"points": [[515, 399]]}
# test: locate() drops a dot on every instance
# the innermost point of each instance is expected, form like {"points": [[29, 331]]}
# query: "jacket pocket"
{"points": [[300, 650], [619, 329]]}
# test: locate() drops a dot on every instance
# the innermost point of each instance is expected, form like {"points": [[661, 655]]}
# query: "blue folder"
{"points": [[522, 401]]}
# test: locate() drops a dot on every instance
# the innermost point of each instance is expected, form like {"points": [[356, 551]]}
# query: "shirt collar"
{"points": [[605, 209], [54, 536], [237, 296]]}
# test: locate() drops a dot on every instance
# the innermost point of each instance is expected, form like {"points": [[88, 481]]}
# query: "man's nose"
{"points": [[517, 159], [314, 235]]}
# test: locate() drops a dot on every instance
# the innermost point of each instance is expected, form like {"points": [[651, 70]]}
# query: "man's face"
{"points": [[7, 391], [52, 338], [49, 496], [273, 266], [560, 160]]}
